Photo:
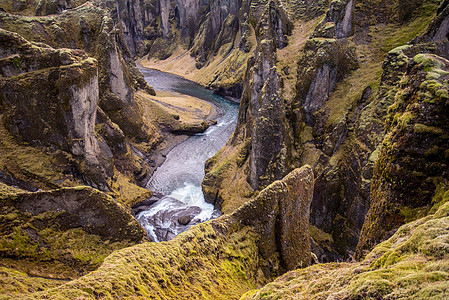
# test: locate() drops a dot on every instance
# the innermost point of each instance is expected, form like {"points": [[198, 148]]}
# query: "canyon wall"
{"points": [[355, 89], [336, 119], [219, 259]]}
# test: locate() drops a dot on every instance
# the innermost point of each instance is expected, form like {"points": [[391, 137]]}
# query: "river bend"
{"points": [[179, 178]]}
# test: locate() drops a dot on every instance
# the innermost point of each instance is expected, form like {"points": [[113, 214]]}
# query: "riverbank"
{"points": [[179, 116], [223, 73], [182, 109]]}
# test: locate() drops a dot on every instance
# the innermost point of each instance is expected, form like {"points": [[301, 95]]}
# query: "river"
{"points": [[179, 178]]}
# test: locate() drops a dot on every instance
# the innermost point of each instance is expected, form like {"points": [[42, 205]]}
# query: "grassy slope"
{"points": [[382, 39], [199, 263], [412, 264], [222, 70]]}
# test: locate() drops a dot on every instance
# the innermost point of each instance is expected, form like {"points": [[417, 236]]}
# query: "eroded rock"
{"points": [[50, 99], [412, 161]]}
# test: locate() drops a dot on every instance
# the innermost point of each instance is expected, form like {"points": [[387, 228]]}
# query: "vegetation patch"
{"points": [[411, 264], [49, 234]]}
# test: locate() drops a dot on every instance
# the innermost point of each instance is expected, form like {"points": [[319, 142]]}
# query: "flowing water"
{"points": [[179, 178]]}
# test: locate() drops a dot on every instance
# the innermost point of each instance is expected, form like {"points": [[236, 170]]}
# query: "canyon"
{"points": [[334, 184]]}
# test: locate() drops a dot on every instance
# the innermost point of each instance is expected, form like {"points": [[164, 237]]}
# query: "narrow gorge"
{"points": [[176, 184], [238, 149]]}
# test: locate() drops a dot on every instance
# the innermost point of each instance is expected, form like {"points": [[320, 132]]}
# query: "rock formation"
{"points": [[262, 132], [221, 259], [412, 161], [62, 112], [408, 265], [63, 233], [106, 85], [335, 120]]}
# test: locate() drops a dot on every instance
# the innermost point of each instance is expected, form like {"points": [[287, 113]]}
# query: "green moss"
{"points": [[409, 30], [46, 244], [404, 119], [320, 236], [411, 214], [427, 62], [198, 263], [14, 284], [411, 264], [440, 198]]}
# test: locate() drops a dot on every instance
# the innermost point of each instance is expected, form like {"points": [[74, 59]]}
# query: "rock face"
{"points": [[319, 74], [265, 104], [413, 159], [334, 121], [416, 250], [282, 211], [156, 27], [262, 127], [50, 99], [95, 96], [82, 207]]}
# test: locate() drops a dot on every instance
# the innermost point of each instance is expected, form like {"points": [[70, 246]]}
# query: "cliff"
{"points": [[334, 120], [101, 97], [63, 233], [411, 265], [72, 106]]}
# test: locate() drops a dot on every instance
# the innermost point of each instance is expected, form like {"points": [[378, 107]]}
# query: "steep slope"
{"points": [[333, 121], [72, 106], [63, 233], [412, 162], [322, 84], [412, 264], [115, 85]]}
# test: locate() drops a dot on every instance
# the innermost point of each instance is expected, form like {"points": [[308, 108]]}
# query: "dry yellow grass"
{"points": [[288, 56], [221, 70], [176, 112]]}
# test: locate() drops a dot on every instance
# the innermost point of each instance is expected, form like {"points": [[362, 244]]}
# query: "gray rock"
{"points": [[167, 218]]}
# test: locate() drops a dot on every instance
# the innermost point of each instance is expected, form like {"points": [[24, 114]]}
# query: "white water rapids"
{"points": [[179, 178]]}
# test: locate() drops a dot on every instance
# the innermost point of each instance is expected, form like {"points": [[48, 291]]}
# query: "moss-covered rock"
{"points": [[323, 64], [412, 264], [261, 140], [220, 259], [49, 98], [63, 233], [412, 160], [334, 121], [51, 7], [116, 79]]}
